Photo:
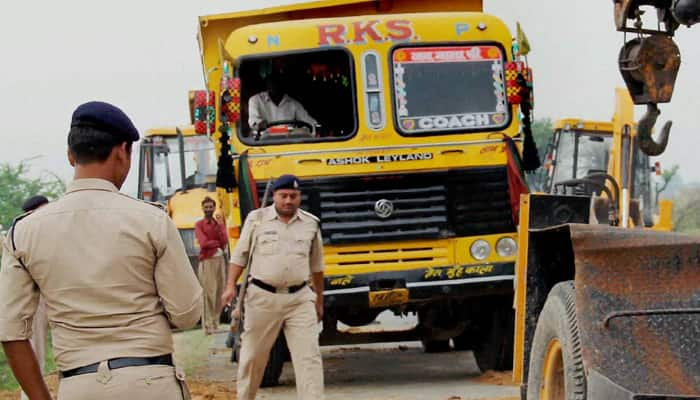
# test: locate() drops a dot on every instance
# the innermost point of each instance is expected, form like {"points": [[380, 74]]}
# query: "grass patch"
{"points": [[192, 349]]}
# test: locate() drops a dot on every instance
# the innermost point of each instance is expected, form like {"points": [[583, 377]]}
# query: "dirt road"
{"points": [[368, 372]]}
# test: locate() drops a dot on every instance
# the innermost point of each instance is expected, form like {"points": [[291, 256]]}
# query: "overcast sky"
{"points": [[143, 57]]}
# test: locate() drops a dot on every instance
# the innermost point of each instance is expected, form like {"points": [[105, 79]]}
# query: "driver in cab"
{"points": [[274, 105]]}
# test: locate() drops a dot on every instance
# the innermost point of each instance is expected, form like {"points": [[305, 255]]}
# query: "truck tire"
{"points": [[494, 351], [436, 346], [278, 355], [556, 366]]}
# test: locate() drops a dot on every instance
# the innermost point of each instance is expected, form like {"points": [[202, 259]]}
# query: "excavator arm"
{"points": [[649, 62]]}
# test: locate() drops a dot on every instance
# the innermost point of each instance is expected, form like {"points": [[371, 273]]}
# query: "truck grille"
{"points": [[425, 205]]}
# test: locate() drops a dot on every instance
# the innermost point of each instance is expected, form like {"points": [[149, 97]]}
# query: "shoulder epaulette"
{"points": [[11, 234], [160, 206], [308, 214]]}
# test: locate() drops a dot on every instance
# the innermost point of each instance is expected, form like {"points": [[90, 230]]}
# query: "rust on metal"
{"points": [[638, 296]]}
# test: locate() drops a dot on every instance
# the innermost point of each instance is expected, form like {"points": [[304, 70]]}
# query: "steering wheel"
{"points": [[293, 122]]}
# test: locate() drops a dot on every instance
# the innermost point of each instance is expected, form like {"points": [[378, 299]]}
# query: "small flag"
{"points": [[517, 184], [522, 40]]}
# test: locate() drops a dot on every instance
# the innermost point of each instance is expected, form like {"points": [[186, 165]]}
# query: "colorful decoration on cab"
{"points": [[204, 110], [514, 90], [323, 73]]}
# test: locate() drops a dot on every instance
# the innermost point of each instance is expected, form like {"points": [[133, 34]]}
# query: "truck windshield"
{"points": [[449, 89], [580, 153], [200, 164], [315, 92]]}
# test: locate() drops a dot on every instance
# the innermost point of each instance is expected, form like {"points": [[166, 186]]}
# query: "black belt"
{"points": [[121, 362], [270, 288]]}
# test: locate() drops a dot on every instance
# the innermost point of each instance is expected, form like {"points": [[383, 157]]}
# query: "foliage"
{"points": [[542, 132], [667, 176], [16, 186], [686, 210]]}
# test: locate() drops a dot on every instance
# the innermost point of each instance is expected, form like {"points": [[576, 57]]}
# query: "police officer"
{"points": [[40, 324], [113, 271], [286, 250]]}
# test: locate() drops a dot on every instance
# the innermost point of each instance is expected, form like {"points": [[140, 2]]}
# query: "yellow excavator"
{"points": [[607, 299]]}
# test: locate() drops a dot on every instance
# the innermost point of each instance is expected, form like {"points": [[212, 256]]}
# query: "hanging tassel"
{"points": [[531, 158]]}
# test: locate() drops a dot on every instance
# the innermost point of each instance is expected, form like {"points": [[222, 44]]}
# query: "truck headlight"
{"points": [[480, 249], [506, 247]]}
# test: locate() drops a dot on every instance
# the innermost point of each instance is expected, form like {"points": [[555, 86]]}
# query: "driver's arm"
{"points": [[300, 114], [255, 114]]}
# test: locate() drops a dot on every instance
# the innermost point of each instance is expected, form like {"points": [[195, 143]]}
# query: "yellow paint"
{"points": [[521, 290], [553, 379], [342, 281], [429, 255], [665, 217], [387, 298]]}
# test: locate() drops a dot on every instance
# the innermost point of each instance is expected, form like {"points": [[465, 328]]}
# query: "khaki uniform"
{"points": [[212, 277], [40, 330], [115, 276], [284, 255]]}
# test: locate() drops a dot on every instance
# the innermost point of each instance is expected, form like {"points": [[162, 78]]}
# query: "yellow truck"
{"points": [[177, 168], [404, 158]]}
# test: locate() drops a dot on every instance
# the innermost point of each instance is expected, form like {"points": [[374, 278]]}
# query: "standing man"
{"points": [[212, 238], [287, 249], [40, 325], [113, 271]]}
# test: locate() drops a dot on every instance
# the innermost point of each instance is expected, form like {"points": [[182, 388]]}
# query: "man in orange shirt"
{"points": [[211, 235]]}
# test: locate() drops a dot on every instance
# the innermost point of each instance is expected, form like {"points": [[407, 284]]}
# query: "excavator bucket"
{"points": [[638, 310]]}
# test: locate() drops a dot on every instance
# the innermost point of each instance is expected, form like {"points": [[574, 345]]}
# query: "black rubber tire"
{"points": [[436, 346], [494, 351], [465, 340], [273, 369], [558, 321]]}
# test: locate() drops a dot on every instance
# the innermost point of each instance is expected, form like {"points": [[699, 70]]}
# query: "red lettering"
{"points": [[399, 30], [368, 29], [331, 34]]}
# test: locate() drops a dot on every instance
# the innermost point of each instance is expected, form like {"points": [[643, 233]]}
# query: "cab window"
{"points": [[296, 98], [449, 89]]}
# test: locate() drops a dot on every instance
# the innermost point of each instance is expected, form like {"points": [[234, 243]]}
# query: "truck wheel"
{"points": [[495, 350], [436, 346], [556, 366], [465, 340], [273, 369]]}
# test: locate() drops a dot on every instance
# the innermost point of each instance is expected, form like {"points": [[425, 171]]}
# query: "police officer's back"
{"points": [[113, 271]]}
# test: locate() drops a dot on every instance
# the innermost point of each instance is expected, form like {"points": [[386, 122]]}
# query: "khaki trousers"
{"points": [[131, 383], [39, 340], [212, 276], [265, 315]]}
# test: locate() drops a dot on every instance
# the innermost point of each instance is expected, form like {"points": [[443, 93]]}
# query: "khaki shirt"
{"points": [[284, 254], [113, 271]]}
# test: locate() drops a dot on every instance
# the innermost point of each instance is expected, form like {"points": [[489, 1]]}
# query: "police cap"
{"points": [[286, 182], [106, 118], [34, 202]]}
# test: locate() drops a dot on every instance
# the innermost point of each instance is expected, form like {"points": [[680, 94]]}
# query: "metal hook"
{"points": [[644, 132]]}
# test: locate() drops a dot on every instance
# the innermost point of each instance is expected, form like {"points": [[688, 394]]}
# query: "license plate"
{"points": [[386, 298]]}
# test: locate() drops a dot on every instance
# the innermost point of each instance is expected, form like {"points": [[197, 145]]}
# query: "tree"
{"points": [[686, 210], [16, 186], [666, 176], [542, 133]]}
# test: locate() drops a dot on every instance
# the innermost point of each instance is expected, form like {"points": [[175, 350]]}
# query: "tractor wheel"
{"points": [[556, 365], [495, 350]]}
